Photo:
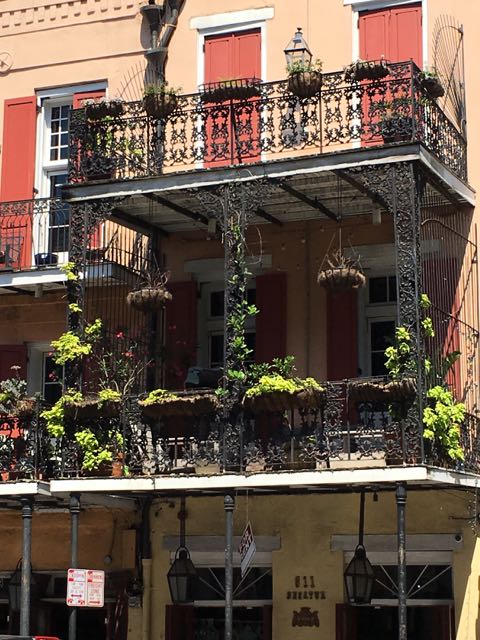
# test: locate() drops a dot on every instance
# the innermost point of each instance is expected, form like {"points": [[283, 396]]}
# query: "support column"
{"points": [[74, 518], [27, 512], [401, 495], [229, 506]]}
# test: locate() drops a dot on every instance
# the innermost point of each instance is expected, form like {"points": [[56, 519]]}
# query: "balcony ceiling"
{"points": [[319, 196]]}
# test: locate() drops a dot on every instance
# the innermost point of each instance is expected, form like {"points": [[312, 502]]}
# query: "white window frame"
{"points": [[369, 5], [35, 371], [45, 168]]}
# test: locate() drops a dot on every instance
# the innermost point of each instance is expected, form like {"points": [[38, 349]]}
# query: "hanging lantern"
{"points": [[359, 578], [359, 575], [297, 50], [182, 577]]}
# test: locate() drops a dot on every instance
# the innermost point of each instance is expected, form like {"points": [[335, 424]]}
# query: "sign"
{"points": [[85, 588], [246, 549]]}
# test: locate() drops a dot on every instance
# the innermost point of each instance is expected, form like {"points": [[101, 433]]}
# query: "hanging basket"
{"points": [[338, 279], [367, 70], [237, 89], [160, 105], [148, 299], [99, 110], [305, 84], [432, 87]]}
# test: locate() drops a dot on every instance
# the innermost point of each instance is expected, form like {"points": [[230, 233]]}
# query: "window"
{"points": [[43, 375], [211, 319], [377, 323]]}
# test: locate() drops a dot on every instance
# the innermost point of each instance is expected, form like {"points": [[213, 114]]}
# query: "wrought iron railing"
{"points": [[34, 234], [275, 124], [351, 429]]}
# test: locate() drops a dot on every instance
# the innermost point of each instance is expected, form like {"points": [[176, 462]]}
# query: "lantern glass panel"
{"points": [[181, 577], [297, 50], [359, 578]]}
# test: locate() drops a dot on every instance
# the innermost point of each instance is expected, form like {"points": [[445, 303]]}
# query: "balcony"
{"points": [[271, 126], [352, 427], [35, 244]]}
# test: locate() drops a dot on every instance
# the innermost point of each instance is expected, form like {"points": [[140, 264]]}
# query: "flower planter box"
{"points": [[92, 407], [396, 129], [160, 105], [148, 299], [338, 279], [183, 405], [305, 84], [238, 89], [279, 401], [382, 391]]}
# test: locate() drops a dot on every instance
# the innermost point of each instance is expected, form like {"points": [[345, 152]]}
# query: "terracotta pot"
{"points": [[305, 84]]}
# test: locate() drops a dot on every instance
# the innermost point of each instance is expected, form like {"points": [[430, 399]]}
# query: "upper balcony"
{"points": [[253, 124]]}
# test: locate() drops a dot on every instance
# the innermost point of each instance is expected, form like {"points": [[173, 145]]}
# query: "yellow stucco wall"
{"points": [[305, 525]]}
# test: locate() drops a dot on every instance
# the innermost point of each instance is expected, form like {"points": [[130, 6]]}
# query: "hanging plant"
{"points": [[341, 273], [152, 294], [160, 100], [305, 78]]}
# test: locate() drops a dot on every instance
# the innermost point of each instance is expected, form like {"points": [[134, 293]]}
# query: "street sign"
{"points": [[85, 588], [246, 549]]}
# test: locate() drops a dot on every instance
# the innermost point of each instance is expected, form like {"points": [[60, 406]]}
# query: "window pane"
{"points": [[392, 286], [382, 334], [216, 304], [216, 350], [378, 290]]}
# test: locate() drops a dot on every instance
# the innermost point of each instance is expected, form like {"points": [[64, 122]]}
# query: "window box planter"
{"points": [[236, 89], [280, 401], [46, 259], [180, 404], [396, 129], [382, 390], [160, 105], [93, 407], [305, 84]]}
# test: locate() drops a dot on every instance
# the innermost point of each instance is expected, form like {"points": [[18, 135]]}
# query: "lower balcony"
{"points": [[351, 424]]}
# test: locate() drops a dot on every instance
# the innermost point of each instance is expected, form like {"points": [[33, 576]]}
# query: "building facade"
{"points": [[173, 240]]}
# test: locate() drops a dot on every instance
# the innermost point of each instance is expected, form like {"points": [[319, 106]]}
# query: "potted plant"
{"points": [[305, 78], [430, 83], [160, 100], [341, 273], [230, 89], [152, 293], [101, 452], [366, 70], [98, 109]]}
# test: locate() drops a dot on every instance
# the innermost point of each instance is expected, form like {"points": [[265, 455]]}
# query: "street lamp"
{"points": [[182, 575], [297, 50], [359, 575]]}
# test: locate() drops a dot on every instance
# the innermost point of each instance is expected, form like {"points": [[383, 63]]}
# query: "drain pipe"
{"points": [[146, 570], [161, 17]]}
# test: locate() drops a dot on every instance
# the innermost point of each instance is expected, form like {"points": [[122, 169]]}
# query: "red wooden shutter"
{"points": [[13, 355], [229, 56], [345, 622], [271, 320], [179, 622], [342, 338], [395, 34], [181, 338], [18, 170]]}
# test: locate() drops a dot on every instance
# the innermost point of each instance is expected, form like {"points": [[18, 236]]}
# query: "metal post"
{"points": [[27, 511], [74, 517], [401, 494], [229, 505]]}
